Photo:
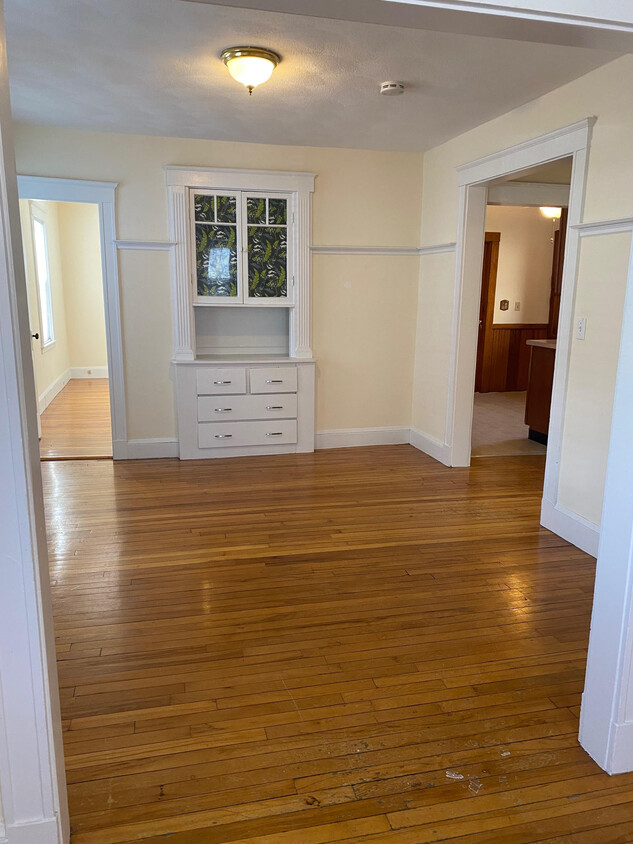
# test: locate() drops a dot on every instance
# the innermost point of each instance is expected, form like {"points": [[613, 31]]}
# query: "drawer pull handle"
{"points": [[274, 380], [223, 436], [223, 409], [219, 383], [276, 434], [274, 407]]}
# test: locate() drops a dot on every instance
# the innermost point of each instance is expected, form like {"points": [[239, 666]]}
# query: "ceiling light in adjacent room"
{"points": [[250, 65], [550, 213]]}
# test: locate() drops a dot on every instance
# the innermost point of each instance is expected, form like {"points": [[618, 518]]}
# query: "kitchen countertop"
{"points": [[542, 344]]}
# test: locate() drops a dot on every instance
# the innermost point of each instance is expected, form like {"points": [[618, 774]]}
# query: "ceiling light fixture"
{"points": [[550, 213], [250, 65]]}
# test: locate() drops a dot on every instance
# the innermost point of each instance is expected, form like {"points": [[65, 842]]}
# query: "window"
{"points": [[45, 298], [241, 246]]}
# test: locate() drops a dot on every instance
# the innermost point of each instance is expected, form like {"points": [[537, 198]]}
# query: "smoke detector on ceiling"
{"points": [[392, 89]]}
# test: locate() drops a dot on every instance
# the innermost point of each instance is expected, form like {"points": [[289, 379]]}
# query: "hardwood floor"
{"points": [[76, 424], [352, 646]]}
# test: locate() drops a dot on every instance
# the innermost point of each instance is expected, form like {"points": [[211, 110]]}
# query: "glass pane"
{"points": [[267, 262], [256, 209], [216, 260], [226, 209], [205, 208], [277, 211]]}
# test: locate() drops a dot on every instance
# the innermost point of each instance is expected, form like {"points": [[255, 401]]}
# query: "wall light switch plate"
{"points": [[581, 328], [517, 306]]}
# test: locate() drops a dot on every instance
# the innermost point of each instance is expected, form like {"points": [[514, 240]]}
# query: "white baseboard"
{"points": [[149, 449], [616, 757], [55, 389], [88, 371], [350, 437], [574, 528], [34, 832], [429, 445]]}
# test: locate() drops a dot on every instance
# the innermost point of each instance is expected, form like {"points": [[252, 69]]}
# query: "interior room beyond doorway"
{"points": [[519, 310], [62, 252]]}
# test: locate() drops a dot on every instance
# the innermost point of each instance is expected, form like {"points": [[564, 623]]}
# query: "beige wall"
{"points": [[80, 249], [606, 94], [364, 311], [74, 254], [524, 272]]}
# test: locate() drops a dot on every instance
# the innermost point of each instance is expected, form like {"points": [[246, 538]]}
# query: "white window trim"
{"points": [[180, 180], [38, 213]]}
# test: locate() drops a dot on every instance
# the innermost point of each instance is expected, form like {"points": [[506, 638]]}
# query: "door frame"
{"points": [[101, 194], [474, 178]]}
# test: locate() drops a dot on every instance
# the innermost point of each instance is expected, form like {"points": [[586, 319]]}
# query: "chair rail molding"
{"points": [[145, 245], [383, 250]]}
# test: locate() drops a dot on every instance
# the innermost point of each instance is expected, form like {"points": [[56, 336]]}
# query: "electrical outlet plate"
{"points": [[581, 328]]}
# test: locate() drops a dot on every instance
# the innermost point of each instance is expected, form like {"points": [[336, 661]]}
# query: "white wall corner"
{"points": [[148, 449], [88, 371], [570, 526], [429, 445], [351, 437]]}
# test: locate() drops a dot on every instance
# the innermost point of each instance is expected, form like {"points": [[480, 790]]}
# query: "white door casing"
{"points": [[32, 783], [103, 195]]}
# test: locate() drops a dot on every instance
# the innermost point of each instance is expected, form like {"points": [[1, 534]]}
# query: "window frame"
{"points": [[39, 216], [180, 180], [242, 225]]}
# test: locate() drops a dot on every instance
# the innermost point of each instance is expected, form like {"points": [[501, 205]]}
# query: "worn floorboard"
{"points": [[358, 645]]}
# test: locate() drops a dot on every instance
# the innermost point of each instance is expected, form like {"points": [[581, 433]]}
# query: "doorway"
{"points": [[518, 319], [63, 263], [89, 420]]}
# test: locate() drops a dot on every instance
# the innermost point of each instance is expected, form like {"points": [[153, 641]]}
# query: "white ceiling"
{"points": [[152, 67]]}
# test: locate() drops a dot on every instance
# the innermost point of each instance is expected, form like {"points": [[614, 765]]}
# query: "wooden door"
{"points": [[560, 238], [487, 310]]}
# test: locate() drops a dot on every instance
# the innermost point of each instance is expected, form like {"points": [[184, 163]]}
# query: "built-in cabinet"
{"points": [[244, 371]]}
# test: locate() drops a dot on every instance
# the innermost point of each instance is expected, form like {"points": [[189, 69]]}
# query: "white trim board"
{"points": [[624, 224], [53, 390], [383, 250], [145, 245], [88, 371], [429, 445], [570, 526], [151, 449], [364, 250], [561, 143], [229, 178], [353, 437], [103, 195]]}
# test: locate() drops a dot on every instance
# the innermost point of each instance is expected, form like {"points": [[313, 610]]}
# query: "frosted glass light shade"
{"points": [[550, 213], [250, 65]]}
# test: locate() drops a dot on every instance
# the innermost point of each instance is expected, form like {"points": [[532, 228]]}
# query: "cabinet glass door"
{"points": [[267, 249], [217, 247]]}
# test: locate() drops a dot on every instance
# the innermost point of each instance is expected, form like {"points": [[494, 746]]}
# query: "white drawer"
{"points": [[273, 379], [212, 409], [232, 434], [215, 382]]}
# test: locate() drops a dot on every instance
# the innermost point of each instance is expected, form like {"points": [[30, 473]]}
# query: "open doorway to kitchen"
{"points": [[524, 247]]}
